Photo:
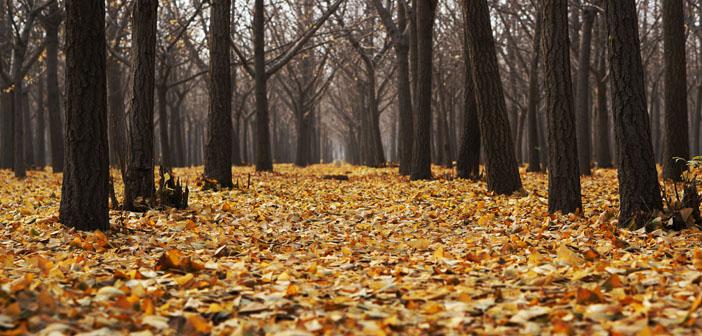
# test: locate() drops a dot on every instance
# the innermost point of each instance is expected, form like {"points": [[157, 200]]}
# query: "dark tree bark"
{"points": [[41, 127], [676, 129], [20, 163], [582, 94], [162, 96], [421, 151], [139, 174], [563, 177], [29, 130], [533, 104], [639, 192], [264, 162], [84, 193], [8, 134], [52, 24], [468, 163], [218, 151], [500, 162], [116, 119], [602, 130]]}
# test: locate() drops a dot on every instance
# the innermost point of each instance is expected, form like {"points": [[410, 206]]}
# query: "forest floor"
{"points": [[295, 254]]}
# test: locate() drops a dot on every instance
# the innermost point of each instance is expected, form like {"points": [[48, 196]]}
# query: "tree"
{"points": [[421, 151], [676, 145], [532, 109], [400, 39], [139, 174], [563, 177], [602, 130], [84, 192], [52, 23], [468, 164], [218, 150], [500, 161], [582, 93], [639, 192]]}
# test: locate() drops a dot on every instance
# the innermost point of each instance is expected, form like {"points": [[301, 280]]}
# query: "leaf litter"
{"points": [[295, 253]]}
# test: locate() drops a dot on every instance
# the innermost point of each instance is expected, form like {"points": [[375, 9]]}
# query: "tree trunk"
{"points": [[602, 136], [28, 131], [218, 151], [41, 127], [563, 178], [52, 25], [8, 131], [84, 193], [116, 119], [20, 162], [421, 150], [404, 96], [500, 162], [468, 164], [533, 104], [675, 117], [582, 95], [139, 175], [162, 94], [263, 158], [639, 192]]}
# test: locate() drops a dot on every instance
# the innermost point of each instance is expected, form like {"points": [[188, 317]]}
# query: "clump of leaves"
{"points": [[171, 192]]}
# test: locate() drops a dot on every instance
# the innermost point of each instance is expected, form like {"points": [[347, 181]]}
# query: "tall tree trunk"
{"points": [[533, 104], [582, 94], [500, 162], [139, 175], [563, 177], [404, 96], [116, 119], [421, 150], [84, 192], [20, 162], [602, 136], [52, 23], [264, 162], [162, 94], [28, 131], [468, 164], [41, 127], [218, 152], [675, 117], [639, 192], [8, 134]]}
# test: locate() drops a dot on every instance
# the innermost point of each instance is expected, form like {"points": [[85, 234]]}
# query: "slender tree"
{"points": [[468, 163], [218, 150], [84, 192], [676, 148], [582, 93], [533, 107], [139, 174], [639, 192], [500, 161], [421, 151], [563, 178], [52, 24]]}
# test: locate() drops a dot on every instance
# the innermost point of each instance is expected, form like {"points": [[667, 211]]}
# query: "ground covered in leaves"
{"points": [[292, 253]]}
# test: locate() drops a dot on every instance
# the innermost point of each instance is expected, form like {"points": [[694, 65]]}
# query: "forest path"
{"points": [[296, 254]]}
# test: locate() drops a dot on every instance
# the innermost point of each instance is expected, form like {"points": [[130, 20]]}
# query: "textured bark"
{"points": [[139, 174], [468, 164], [602, 130], [84, 193], [20, 164], [563, 177], [582, 94], [8, 134], [533, 104], [639, 192], [41, 127], [162, 94], [675, 118], [421, 150], [52, 24], [500, 163], [218, 151], [404, 95], [28, 131], [264, 161], [116, 122]]}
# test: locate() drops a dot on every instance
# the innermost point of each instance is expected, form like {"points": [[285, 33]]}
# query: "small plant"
{"points": [[681, 210]]}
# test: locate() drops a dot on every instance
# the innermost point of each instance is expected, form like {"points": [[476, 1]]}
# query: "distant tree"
{"points": [[139, 174], [676, 145], [52, 24], [582, 93], [533, 105], [84, 192], [421, 151], [500, 162], [639, 192], [602, 128], [218, 150], [563, 177]]}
